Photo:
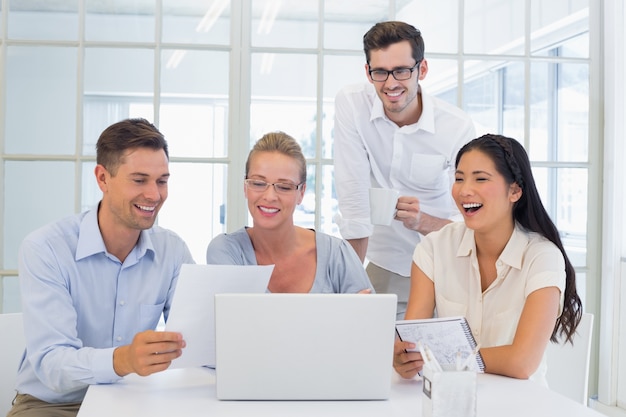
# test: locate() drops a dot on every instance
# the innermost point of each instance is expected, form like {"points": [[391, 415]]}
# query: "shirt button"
{"points": [[118, 338], [499, 263], [122, 302]]}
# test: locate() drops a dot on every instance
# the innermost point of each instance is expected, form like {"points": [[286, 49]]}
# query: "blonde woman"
{"points": [[305, 260]]}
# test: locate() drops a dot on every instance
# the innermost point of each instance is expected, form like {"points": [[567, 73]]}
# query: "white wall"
{"points": [[611, 398]]}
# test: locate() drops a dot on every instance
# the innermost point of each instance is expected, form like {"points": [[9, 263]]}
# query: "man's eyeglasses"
{"points": [[400, 74], [279, 187]]}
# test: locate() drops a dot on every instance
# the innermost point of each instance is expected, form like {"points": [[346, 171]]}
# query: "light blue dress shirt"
{"points": [[80, 302]]}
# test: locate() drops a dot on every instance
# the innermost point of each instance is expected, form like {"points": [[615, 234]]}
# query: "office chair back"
{"points": [[568, 365], [13, 344]]}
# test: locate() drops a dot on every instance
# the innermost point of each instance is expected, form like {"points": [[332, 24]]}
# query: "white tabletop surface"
{"points": [[191, 392]]}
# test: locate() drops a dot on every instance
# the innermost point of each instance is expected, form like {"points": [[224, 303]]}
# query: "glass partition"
{"points": [[196, 22], [273, 20], [494, 29], [35, 193], [214, 75], [40, 111], [43, 21], [120, 20]]}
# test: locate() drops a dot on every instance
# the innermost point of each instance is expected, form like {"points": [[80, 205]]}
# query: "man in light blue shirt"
{"points": [[94, 285]]}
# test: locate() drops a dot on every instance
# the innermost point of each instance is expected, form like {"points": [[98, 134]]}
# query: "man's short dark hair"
{"points": [[383, 34], [127, 134]]}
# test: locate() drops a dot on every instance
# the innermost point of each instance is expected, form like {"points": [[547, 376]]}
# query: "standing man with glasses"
{"points": [[389, 134]]}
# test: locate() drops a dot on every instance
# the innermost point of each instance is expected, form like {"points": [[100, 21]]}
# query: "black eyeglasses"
{"points": [[400, 74], [279, 187]]}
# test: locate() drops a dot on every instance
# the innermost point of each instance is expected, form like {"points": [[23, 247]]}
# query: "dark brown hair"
{"points": [[383, 34], [123, 135]]}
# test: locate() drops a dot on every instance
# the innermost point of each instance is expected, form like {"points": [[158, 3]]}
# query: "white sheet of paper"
{"points": [[193, 305]]}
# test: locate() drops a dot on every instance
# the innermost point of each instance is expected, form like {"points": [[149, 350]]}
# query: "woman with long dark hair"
{"points": [[504, 268]]}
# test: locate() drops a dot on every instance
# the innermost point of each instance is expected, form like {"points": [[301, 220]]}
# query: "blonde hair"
{"points": [[282, 143]]}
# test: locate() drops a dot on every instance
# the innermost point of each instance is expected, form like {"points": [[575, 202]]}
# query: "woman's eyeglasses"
{"points": [[279, 187]]}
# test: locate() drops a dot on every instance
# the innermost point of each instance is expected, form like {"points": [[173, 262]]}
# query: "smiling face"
{"points": [[133, 196], [482, 194], [399, 98], [270, 208]]}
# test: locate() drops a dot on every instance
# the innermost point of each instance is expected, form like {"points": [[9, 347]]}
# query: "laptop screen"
{"points": [[304, 346]]}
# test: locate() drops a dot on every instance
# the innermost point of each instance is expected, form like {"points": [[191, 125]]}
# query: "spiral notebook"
{"points": [[445, 336]]}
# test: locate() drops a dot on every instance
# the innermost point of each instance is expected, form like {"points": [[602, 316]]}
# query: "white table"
{"points": [[191, 392]]}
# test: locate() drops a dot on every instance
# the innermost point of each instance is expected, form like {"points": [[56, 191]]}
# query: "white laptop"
{"points": [[304, 346]]}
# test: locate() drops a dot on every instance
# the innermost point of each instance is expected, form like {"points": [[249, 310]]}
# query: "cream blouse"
{"points": [[527, 263]]}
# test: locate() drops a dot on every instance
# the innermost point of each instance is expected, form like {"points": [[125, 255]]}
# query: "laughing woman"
{"points": [[305, 260], [504, 268]]}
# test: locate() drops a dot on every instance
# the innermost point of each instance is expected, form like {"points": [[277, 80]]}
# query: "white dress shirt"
{"points": [[370, 150]]}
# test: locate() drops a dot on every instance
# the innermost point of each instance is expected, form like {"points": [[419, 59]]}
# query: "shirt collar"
{"points": [[511, 253], [90, 241], [378, 112], [427, 118], [467, 245], [426, 121]]}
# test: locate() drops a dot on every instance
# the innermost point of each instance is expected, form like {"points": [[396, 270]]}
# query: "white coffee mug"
{"points": [[383, 205]]}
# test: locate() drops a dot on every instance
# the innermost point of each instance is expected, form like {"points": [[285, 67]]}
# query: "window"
{"points": [[214, 75], [291, 89]]}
